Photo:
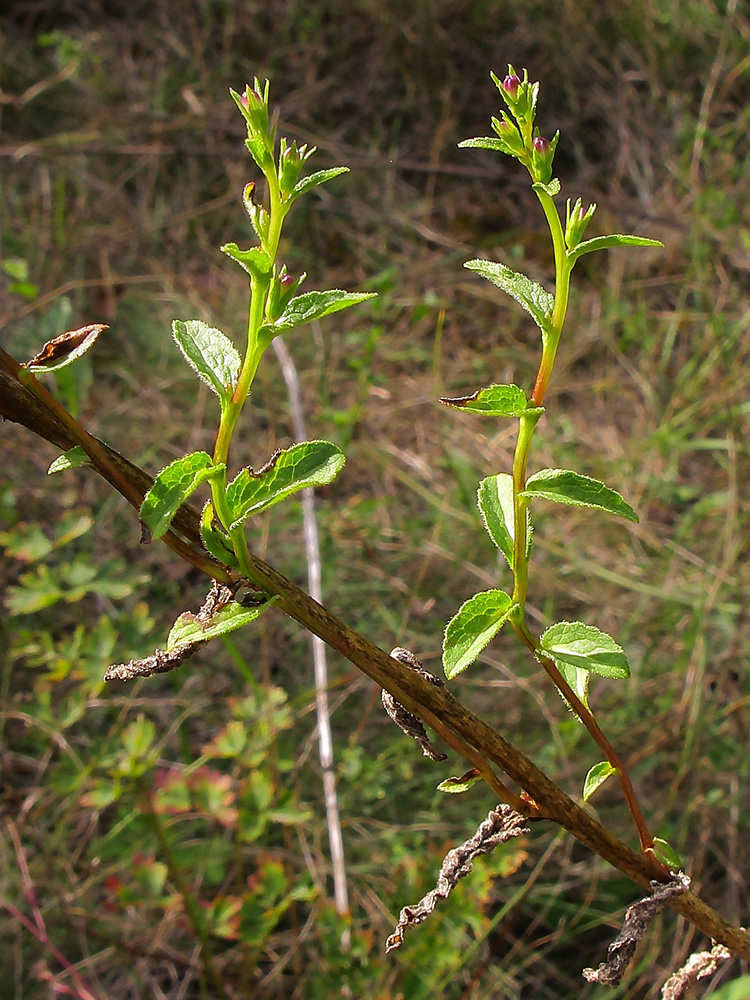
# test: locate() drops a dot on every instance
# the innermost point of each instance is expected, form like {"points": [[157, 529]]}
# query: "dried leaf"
{"points": [[637, 920], [65, 348], [501, 824], [405, 721], [698, 966]]}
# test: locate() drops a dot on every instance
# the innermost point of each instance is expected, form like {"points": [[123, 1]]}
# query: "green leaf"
{"points": [[578, 679], [65, 349], [172, 487], [596, 777], [472, 628], [485, 142], [667, 854], [310, 463], [616, 240], [74, 458], [210, 353], [551, 187], [495, 502], [564, 486], [493, 401], [189, 629], [455, 785], [314, 305], [138, 737], [255, 260], [320, 177], [585, 646], [536, 300]]}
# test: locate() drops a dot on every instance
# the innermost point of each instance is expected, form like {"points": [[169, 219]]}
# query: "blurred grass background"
{"points": [[122, 171]]}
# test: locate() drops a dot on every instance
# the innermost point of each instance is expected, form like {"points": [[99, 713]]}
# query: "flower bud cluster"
{"points": [[542, 155], [291, 160], [576, 220], [260, 136], [283, 287], [520, 95]]}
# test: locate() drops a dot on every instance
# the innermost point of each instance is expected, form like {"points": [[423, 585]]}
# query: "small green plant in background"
{"points": [[225, 799]]}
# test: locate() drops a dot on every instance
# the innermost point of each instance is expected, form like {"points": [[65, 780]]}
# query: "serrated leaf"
{"points": [[189, 629], [492, 401], [472, 628], [215, 540], [455, 785], [255, 260], [667, 854], [65, 349], [596, 777], [314, 305], [172, 487], [578, 679], [485, 142], [320, 177], [209, 353], [74, 458], [536, 300], [551, 187], [616, 240], [585, 646], [565, 486], [495, 502], [310, 463]]}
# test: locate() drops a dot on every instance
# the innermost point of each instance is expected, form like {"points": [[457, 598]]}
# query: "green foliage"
{"points": [[189, 629], [311, 463], [473, 627], [173, 486], [536, 300], [564, 486], [210, 354]]}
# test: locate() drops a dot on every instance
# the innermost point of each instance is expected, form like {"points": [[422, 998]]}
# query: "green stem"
{"points": [[587, 718], [550, 342]]}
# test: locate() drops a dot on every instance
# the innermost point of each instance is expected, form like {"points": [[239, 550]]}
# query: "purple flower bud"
{"points": [[286, 280], [511, 84], [541, 146]]}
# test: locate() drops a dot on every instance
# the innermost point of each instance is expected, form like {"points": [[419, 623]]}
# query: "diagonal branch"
{"points": [[433, 704]]}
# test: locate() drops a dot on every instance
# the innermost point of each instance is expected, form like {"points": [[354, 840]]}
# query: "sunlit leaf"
{"points": [[565, 486], [536, 300], [320, 177], [596, 777], [74, 458], [310, 463], [315, 305], [585, 646], [210, 353], [462, 784], [493, 401], [472, 628], [172, 487]]}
